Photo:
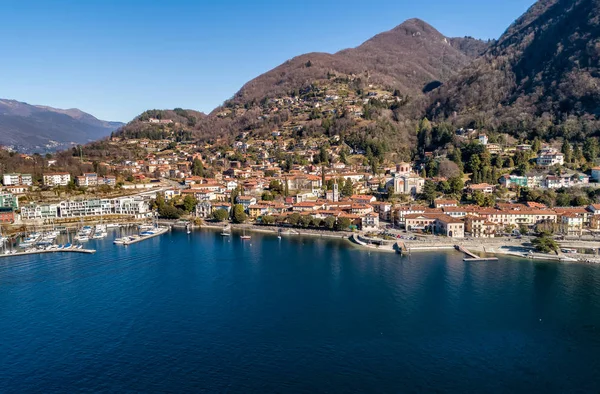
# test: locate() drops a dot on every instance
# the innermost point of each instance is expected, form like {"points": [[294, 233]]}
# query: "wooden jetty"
{"points": [[472, 256], [32, 252]]}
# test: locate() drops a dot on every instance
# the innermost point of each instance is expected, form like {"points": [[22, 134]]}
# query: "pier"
{"points": [[140, 238], [472, 256], [32, 252]]}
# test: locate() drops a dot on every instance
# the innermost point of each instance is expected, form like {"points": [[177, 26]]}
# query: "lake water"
{"points": [[202, 313]]}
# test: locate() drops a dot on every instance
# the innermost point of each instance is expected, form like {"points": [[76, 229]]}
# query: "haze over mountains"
{"points": [[36, 128]]}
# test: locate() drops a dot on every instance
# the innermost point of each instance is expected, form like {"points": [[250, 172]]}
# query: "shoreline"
{"points": [[497, 248]]}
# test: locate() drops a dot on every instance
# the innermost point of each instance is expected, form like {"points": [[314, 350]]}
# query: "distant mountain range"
{"points": [[36, 128]]}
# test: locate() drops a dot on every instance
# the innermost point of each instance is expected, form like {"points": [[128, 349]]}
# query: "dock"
{"points": [[70, 250], [401, 248], [472, 256], [157, 232]]}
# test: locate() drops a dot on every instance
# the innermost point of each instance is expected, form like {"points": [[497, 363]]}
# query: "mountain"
{"points": [[36, 128], [541, 74], [370, 97], [407, 58]]}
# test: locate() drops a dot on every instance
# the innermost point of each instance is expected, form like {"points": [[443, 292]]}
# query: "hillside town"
{"points": [[317, 183]]}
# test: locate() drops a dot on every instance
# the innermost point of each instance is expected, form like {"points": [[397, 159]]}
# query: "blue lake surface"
{"points": [[202, 313]]}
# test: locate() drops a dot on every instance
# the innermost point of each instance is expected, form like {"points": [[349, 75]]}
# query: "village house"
{"points": [[245, 201], [443, 203], [479, 227], [307, 206], [482, 187], [17, 190], [370, 222], [550, 157], [436, 223], [363, 199], [257, 210], [7, 215], [570, 223]]}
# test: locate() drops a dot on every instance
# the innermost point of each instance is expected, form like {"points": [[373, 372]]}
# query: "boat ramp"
{"points": [[472, 256]]}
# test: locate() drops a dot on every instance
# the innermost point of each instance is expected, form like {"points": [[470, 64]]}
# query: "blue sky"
{"points": [[117, 58]]}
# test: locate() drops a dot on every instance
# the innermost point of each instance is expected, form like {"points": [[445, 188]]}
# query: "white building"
{"points": [[549, 158], [57, 179], [39, 211], [131, 206], [17, 179]]}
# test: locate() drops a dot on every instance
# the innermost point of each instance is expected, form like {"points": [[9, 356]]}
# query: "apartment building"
{"points": [[56, 179]]}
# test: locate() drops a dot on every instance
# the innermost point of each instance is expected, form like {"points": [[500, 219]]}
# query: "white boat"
{"points": [[226, 231], [29, 241], [82, 238], [100, 235], [113, 225], [118, 241], [245, 237]]}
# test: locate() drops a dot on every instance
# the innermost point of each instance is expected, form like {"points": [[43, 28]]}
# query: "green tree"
{"points": [[294, 219], [268, 219], [429, 191], [567, 151], [523, 229], [276, 187], [168, 212], [563, 200], [479, 198], [306, 220], [536, 145], [348, 188], [580, 201], [590, 149], [444, 187], [197, 167], [316, 222], [239, 216], [189, 203], [343, 224], [220, 214], [267, 196], [545, 244], [329, 222], [456, 184]]}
